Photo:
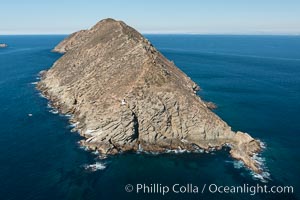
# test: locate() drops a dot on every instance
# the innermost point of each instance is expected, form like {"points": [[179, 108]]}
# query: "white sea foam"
{"points": [[227, 145], [199, 150], [262, 144], [265, 176], [212, 149], [53, 111], [73, 125], [41, 95], [95, 167], [102, 156], [85, 148], [140, 149], [149, 152], [258, 159], [34, 83], [177, 151], [237, 164], [95, 152]]}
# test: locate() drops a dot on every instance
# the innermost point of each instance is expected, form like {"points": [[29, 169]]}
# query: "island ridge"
{"points": [[124, 95]]}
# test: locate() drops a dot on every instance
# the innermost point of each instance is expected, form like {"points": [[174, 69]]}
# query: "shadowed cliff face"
{"points": [[125, 95]]}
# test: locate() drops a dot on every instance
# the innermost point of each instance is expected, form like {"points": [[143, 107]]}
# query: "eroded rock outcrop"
{"points": [[125, 95]]}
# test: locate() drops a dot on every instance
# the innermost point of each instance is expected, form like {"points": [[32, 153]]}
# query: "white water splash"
{"points": [[237, 164], [95, 152], [73, 125], [95, 167], [264, 176], [85, 148], [140, 149], [53, 111], [177, 151], [43, 96]]}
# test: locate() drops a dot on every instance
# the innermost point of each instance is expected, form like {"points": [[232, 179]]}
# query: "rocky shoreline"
{"points": [[124, 95]]}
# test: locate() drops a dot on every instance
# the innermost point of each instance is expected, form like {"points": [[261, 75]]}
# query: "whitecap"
{"points": [[264, 176], [154, 153], [140, 149], [34, 83], [227, 145], [68, 115], [53, 111], [102, 156], [259, 160], [85, 148], [212, 149], [181, 151], [177, 151], [43, 96], [95, 167], [237, 164], [95, 152], [73, 125], [262, 144], [199, 150]]}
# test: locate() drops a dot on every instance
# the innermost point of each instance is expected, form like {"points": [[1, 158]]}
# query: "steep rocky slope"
{"points": [[125, 95]]}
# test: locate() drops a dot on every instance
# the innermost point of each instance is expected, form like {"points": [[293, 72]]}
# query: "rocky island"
{"points": [[2, 45], [124, 95]]}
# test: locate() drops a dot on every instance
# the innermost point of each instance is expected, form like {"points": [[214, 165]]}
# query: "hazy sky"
{"points": [[152, 16]]}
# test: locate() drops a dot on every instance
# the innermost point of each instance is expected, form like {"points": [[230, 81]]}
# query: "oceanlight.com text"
{"points": [[157, 188]]}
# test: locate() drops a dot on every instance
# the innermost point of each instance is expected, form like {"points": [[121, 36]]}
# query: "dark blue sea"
{"points": [[254, 81]]}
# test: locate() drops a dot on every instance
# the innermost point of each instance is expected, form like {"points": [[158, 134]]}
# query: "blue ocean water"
{"points": [[254, 80]]}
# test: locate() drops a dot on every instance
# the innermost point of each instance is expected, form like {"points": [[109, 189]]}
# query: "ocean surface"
{"points": [[254, 81]]}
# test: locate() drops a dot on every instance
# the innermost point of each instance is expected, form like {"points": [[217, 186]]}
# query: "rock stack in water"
{"points": [[124, 95]]}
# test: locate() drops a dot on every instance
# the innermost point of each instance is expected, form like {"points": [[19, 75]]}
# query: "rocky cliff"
{"points": [[124, 95]]}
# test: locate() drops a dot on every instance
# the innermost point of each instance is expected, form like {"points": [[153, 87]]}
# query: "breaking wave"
{"points": [[43, 96], [94, 167], [73, 125], [85, 148], [53, 111], [264, 176]]}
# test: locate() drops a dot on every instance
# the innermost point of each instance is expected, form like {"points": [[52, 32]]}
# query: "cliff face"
{"points": [[125, 95]]}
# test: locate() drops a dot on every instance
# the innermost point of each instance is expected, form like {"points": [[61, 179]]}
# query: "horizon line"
{"points": [[166, 33]]}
